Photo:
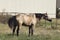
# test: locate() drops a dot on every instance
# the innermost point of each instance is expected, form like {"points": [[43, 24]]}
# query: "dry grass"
{"points": [[41, 32]]}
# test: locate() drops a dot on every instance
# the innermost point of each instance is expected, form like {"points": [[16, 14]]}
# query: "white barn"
{"points": [[30, 6]]}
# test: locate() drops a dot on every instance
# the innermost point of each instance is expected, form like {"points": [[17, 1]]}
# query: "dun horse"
{"points": [[29, 20], [22, 19]]}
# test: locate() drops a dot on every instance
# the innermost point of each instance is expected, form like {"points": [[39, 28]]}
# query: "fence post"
{"points": [[56, 22], [51, 23]]}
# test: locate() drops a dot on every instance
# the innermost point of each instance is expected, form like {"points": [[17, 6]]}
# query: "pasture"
{"points": [[41, 31]]}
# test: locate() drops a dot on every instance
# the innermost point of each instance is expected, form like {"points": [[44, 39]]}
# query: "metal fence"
{"points": [[54, 24], [43, 23]]}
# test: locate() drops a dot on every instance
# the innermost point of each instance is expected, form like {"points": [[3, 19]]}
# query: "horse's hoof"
{"points": [[17, 35]]}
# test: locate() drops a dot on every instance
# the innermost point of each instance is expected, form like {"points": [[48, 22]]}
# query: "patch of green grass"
{"points": [[55, 36]]}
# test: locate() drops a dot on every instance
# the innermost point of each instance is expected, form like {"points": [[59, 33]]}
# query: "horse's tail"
{"points": [[9, 24], [12, 22]]}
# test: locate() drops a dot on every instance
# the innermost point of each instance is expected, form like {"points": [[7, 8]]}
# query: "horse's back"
{"points": [[26, 18]]}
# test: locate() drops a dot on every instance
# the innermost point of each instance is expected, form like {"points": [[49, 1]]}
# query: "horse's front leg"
{"points": [[31, 29]]}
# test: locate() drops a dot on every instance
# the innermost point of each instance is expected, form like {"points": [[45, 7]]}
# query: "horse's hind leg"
{"points": [[18, 31], [14, 29]]}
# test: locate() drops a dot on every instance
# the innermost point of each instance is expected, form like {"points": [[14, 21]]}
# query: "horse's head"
{"points": [[45, 16]]}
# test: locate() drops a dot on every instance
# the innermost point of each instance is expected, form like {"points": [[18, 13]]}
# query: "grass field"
{"points": [[41, 32]]}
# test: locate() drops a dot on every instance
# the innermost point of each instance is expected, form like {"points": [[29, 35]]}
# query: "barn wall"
{"points": [[29, 6]]}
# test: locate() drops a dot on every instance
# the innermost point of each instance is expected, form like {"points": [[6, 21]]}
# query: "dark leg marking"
{"points": [[31, 29], [14, 29], [18, 31]]}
